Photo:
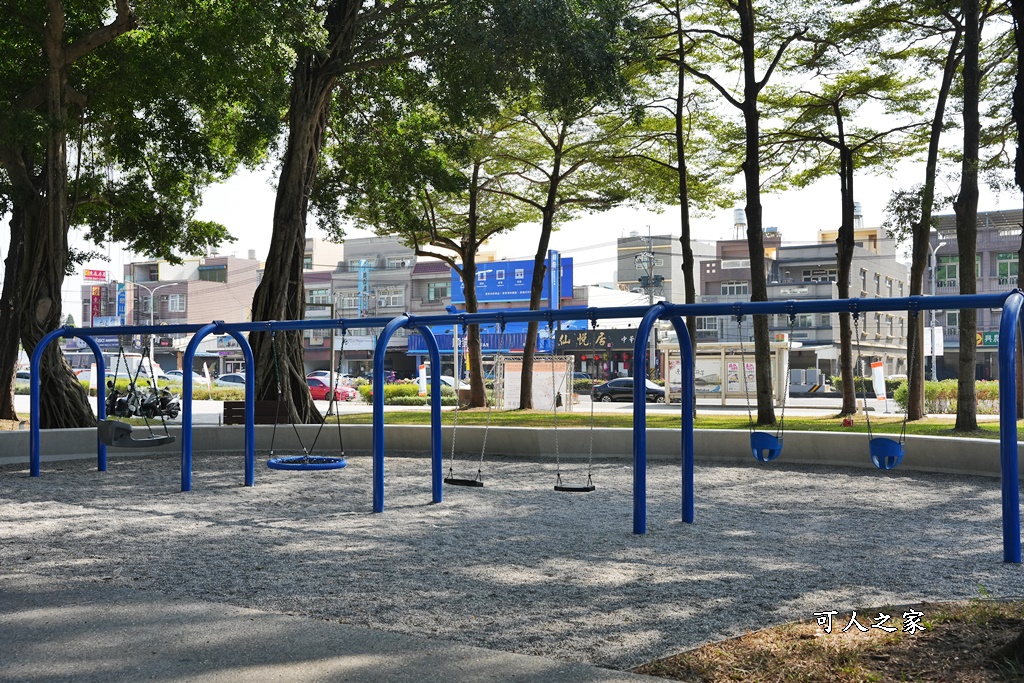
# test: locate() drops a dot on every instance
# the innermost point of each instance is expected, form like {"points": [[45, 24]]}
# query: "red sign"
{"points": [[97, 311], [94, 275]]}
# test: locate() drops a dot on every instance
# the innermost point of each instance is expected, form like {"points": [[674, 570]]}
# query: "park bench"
{"points": [[265, 413]]}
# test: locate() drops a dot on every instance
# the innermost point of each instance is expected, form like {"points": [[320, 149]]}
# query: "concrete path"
{"points": [[95, 632]]}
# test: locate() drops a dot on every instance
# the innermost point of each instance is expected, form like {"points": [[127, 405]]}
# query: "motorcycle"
{"points": [[134, 403], [169, 404]]}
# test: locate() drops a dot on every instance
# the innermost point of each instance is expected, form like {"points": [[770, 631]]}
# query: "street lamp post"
{"points": [[152, 306], [934, 250]]}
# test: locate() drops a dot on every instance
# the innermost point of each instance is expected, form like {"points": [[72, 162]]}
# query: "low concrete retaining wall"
{"points": [[924, 453]]}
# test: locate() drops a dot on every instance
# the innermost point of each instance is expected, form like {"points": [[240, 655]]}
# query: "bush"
{"points": [[941, 397], [582, 386], [419, 400], [199, 392], [398, 393], [860, 382]]}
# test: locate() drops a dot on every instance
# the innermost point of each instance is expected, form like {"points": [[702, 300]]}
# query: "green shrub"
{"points": [[395, 394], [419, 400], [859, 383], [582, 386], [941, 397]]}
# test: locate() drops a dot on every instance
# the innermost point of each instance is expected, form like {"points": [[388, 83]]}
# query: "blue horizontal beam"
{"points": [[739, 308]]}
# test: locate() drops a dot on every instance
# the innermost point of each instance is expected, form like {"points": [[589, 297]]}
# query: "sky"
{"points": [[245, 205]]}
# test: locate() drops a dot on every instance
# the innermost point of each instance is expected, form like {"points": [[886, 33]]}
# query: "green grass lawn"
{"points": [[534, 418]]}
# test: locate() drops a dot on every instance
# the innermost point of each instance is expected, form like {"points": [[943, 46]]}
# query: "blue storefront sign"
{"points": [[504, 281]]}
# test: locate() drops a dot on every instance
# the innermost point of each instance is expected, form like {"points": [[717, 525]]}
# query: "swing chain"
{"points": [[860, 363], [743, 373]]}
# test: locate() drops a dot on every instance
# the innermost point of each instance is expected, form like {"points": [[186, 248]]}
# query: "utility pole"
{"points": [[152, 308], [650, 282]]}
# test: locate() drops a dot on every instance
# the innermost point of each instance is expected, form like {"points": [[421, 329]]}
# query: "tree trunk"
{"points": [[280, 294], [536, 289], [477, 390], [10, 306], [844, 264], [922, 230], [63, 401], [539, 272], [689, 282], [755, 235], [966, 209]]}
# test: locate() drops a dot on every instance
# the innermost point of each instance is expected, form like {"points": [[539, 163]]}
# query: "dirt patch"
{"points": [[958, 643]]}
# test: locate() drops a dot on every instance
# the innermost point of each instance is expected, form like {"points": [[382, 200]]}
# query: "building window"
{"points": [[213, 274], [820, 275], [316, 333], [826, 320], [953, 319], [888, 286], [390, 297], [947, 271], [437, 292], [176, 303], [707, 327], [901, 287], [804, 320], [146, 304], [349, 300], [734, 288], [320, 295], [864, 281], [1006, 267], [878, 284], [307, 262], [892, 325], [396, 262], [707, 323]]}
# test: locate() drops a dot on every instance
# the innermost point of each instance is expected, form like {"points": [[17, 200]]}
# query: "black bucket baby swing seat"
{"points": [[118, 434]]}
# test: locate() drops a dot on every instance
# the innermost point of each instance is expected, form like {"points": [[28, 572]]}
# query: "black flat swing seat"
{"points": [[574, 488], [765, 446], [452, 480], [306, 462], [570, 488], [119, 435]]}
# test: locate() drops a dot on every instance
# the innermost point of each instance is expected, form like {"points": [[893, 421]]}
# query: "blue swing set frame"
{"points": [[883, 454]]}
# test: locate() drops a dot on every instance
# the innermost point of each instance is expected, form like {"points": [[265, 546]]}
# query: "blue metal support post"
{"points": [[1009, 327]]}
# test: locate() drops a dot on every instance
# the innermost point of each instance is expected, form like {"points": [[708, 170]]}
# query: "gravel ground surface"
{"points": [[516, 566]]}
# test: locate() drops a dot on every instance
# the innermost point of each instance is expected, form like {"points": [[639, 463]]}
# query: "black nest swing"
{"points": [[306, 461]]}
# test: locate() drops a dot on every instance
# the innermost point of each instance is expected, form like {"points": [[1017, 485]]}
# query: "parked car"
{"points": [[320, 390], [179, 376], [230, 379], [581, 375], [21, 378], [325, 375], [621, 389], [86, 376], [449, 381]]}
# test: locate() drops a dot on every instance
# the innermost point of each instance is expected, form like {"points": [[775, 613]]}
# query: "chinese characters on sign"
{"points": [[911, 622]]}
